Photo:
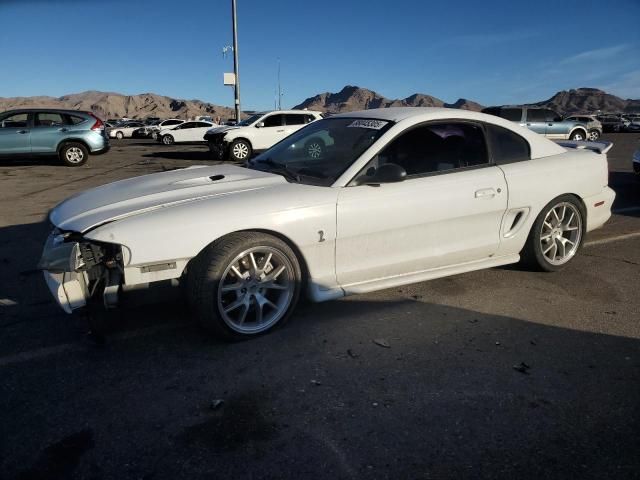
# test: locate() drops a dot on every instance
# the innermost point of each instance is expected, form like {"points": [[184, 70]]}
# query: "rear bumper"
{"points": [[636, 162], [599, 208]]}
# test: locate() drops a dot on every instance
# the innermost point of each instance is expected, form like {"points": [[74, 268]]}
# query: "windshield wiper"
{"points": [[280, 169]]}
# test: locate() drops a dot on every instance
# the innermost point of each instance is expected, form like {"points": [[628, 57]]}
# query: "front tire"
{"points": [[240, 150], [119, 135], [244, 285], [557, 234], [167, 140], [74, 154], [578, 135]]}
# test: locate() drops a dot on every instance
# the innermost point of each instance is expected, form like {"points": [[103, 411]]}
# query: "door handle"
{"points": [[485, 193], [22, 131], [63, 130], [279, 131]]}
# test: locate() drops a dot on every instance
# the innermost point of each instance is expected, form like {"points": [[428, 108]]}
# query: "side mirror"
{"points": [[259, 124], [386, 173]]}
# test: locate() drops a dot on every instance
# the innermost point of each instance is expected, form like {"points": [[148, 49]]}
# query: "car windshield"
{"points": [[320, 152], [250, 120]]}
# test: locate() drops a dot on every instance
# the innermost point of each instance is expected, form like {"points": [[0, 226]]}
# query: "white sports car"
{"points": [[401, 195]]}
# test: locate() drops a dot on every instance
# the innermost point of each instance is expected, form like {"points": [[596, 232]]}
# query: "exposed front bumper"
{"points": [[68, 287]]}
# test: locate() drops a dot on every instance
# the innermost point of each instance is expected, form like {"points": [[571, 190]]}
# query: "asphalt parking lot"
{"points": [[503, 373]]}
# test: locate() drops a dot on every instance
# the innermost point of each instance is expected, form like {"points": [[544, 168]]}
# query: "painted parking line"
{"points": [[616, 238], [40, 353]]}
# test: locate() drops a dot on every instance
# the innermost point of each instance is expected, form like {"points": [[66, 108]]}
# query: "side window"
{"points": [[309, 118], [512, 114], [273, 121], [75, 120], [507, 146], [551, 116], [48, 120], [294, 119], [187, 125], [536, 115], [168, 123], [17, 120], [435, 148], [203, 124]]}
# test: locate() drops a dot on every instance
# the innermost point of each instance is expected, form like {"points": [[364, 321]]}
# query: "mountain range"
{"points": [[350, 98]]}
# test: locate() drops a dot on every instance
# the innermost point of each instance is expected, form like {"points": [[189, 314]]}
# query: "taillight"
{"points": [[99, 125]]}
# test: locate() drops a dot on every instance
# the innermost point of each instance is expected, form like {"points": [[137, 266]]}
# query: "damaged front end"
{"points": [[217, 145], [77, 270]]}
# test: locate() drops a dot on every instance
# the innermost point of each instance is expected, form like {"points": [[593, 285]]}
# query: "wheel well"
{"points": [[579, 128], [72, 140], [303, 262], [243, 139]]}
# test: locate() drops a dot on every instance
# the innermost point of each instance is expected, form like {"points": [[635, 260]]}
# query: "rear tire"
{"points": [[74, 154], [557, 234], [244, 285], [594, 135]]}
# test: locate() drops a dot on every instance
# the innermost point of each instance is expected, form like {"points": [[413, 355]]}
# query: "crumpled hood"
{"points": [[137, 195], [222, 129]]}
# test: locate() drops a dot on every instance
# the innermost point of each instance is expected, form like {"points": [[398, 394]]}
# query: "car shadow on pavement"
{"points": [[27, 161], [399, 386], [627, 188]]}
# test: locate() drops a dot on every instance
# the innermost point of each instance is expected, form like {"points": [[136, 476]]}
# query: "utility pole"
{"points": [[235, 60], [279, 90]]}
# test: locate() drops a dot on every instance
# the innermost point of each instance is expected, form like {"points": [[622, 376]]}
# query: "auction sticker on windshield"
{"points": [[373, 124]]}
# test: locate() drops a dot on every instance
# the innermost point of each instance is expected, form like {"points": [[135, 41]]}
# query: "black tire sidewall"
{"points": [[533, 251], [67, 146], [169, 138], [205, 271]]}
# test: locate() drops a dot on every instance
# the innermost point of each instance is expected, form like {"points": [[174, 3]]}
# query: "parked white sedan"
{"points": [[124, 130], [188, 132], [401, 195]]}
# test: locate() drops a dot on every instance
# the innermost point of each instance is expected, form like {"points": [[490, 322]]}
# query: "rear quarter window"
{"points": [[507, 146]]}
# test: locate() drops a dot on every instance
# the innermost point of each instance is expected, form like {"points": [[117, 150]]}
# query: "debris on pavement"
{"points": [[216, 404], [317, 383], [381, 342], [522, 368], [352, 354]]}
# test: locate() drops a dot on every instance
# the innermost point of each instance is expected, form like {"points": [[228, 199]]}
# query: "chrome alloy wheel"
{"points": [[561, 233], [578, 137], [256, 290], [593, 135], [314, 150], [240, 151], [74, 155]]}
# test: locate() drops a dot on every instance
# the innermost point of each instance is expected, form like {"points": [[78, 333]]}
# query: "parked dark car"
{"points": [[611, 123], [72, 135]]}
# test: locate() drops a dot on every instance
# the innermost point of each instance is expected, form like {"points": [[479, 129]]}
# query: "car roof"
{"points": [[287, 111], [56, 110], [540, 146]]}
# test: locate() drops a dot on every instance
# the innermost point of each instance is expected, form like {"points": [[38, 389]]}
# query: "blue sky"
{"points": [[489, 51]]}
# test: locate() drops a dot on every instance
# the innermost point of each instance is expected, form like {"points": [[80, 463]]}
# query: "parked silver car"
{"points": [[592, 123]]}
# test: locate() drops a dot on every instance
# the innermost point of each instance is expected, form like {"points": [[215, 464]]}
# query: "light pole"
{"points": [[235, 60]]}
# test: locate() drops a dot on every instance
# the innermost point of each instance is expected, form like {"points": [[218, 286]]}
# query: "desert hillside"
{"points": [[350, 98], [115, 105]]}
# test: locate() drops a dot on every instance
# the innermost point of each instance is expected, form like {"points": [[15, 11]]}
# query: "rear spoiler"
{"points": [[598, 147]]}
